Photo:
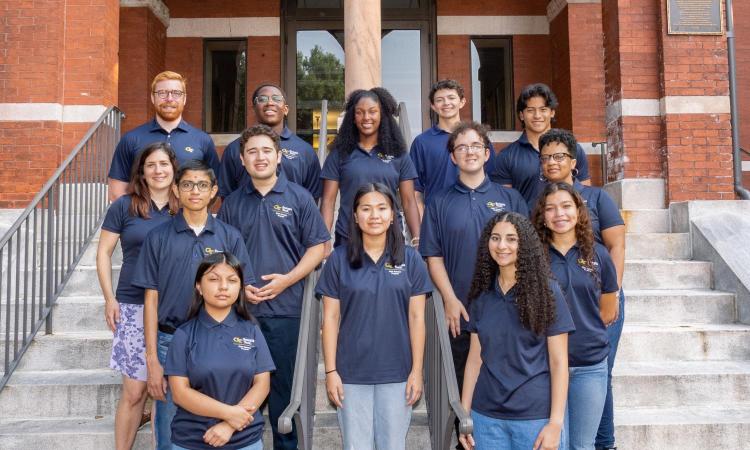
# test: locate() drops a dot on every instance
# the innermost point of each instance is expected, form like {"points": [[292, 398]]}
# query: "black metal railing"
{"points": [[39, 252], [441, 387]]}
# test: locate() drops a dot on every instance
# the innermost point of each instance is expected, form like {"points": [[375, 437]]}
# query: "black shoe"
{"points": [[606, 448]]}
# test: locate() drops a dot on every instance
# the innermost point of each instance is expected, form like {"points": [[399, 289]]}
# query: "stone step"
{"points": [[688, 342], [679, 306], [79, 433], [681, 383], [718, 426], [646, 220], [327, 434], [84, 281], [69, 314], [663, 274], [669, 246], [68, 351], [637, 193]]}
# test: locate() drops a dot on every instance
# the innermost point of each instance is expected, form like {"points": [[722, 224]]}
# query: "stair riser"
{"points": [[67, 354], [684, 346], [683, 437], [673, 390], [658, 246], [667, 275], [675, 309], [77, 441], [646, 220], [84, 282], [66, 317], [22, 401]]}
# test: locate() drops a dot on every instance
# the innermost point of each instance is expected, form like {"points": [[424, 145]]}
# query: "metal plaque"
{"points": [[694, 17]]}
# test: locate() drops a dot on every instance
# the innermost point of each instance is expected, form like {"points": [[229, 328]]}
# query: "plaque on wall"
{"points": [[694, 17]]}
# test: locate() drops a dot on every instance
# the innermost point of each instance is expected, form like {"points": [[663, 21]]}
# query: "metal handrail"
{"points": [[301, 408], [42, 247], [441, 386]]}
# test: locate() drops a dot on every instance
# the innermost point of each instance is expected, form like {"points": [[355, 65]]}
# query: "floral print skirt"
{"points": [[129, 343]]}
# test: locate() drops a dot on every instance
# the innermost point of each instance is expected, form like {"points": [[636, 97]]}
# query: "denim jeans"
{"points": [[505, 434], [605, 437], [374, 416], [257, 445], [587, 391], [164, 411]]}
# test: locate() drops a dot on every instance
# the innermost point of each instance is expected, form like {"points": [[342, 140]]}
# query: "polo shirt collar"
{"points": [[207, 321], [182, 126], [286, 133], [577, 185], [372, 152], [484, 187], [281, 184], [509, 296], [180, 224], [575, 248]]}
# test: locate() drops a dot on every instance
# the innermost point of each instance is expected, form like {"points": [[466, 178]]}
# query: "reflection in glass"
{"points": [[402, 73], [225, 75], [491, 83]]}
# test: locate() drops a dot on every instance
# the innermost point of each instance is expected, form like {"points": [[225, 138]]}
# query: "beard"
{"points": [[172, 114]]}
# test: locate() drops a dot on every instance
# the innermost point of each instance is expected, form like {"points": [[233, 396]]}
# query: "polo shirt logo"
{"points": [[289, 154], [385, 158], [211, 251], [496, 206], [585, 266], [189, 149], [243, 343], [395, 270], [282, 211]]}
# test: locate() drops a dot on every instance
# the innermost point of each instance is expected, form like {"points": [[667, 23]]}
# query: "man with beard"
{"points": [[168, 95], [299, 161]]}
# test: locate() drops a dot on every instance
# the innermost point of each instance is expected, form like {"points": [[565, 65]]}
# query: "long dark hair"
{"points": [[140, 194], [394, 241], [208, 263], [584, 235], [390, 140], [534, 298]]}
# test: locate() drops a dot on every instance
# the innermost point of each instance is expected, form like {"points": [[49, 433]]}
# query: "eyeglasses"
{"points": [[557, 157], [473, 148], [164, 94], [263, 99], [188, 186]]}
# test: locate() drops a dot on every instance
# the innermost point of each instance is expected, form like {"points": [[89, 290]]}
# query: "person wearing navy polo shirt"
{"points": [[517, 165], [369, 148], [428, 152], [279, 218], [588, 279], [150, 202], [168, 95], [300, 162], [516, 380], [218, 364], [373, 291], [166, 266], [452, 224]]}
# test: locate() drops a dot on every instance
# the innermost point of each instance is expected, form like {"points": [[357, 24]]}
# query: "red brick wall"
{"points": [[454, 61], [742, 55], [560, 77], [491, 7], [185, 56], [531, 63], [263, 66]]}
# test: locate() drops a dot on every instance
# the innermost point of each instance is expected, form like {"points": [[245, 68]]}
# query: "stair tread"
{"points": [[705, 414], [680, 368], [65, 377], [676, 292], [66, 425], [683, 327]]}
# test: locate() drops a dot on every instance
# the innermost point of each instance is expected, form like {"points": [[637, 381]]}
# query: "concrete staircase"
{"points": [[682, 378]]}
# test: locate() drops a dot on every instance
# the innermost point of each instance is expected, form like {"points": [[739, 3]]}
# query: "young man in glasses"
{"points": [[168, 95], [166, 270], [299, 161]]}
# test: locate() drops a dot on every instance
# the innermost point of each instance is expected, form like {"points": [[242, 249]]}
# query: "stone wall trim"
{"points": [[492, 25]]}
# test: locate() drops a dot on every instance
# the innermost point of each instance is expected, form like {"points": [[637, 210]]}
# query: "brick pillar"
{"points": [[58, 72], [264, 63], [454, 61]]}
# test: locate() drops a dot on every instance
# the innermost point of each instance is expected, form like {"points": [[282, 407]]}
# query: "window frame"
{"points": [[509, 98], [220, 44]]}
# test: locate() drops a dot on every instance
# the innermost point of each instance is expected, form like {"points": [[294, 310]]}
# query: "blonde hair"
{"points": [[169, 75]]}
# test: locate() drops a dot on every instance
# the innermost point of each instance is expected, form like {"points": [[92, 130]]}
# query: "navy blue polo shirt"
{"points": [[374, 346], [518, 165], [362, 167], [514, 380], [453, 223], [170, 257], [300, 164], [187, 142], [132, 230], [588, 344], [220, 360], [283, 224], [430, 155]]}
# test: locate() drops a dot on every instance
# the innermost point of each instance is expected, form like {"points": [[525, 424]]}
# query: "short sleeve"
{"points": [[263, 360], [330, 281], [563, 320], [502, 172], [609, 213], [607, 271], [332, 166], [582, 164], [313, 230], [224, 212], [227, 174], [147, 270], [474, 313], [407, 170], [418, 275], [429, 235], [211, 158], [417, 159], [177, 355], [122, 160], [114, 221]]}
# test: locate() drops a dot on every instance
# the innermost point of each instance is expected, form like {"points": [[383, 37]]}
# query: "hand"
{"points": [[549, 437], [609, 313], [251, 294], [335, 389], [414, 385], [277, 282], [156, 384], [218, 435], [237, 417], [112, 313], [467, 441], [454, 310]]}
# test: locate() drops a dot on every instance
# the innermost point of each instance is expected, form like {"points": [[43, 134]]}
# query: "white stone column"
{"points": [[362, 44]]}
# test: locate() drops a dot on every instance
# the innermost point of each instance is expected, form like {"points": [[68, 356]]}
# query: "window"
{"points": [[224, 87], [492, 82]]}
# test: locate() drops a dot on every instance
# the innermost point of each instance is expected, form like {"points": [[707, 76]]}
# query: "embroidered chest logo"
{"points": [[398, 269], [496, 206], [289, 154], [385, 158], [282, 211], [189, 149], [243, 343], [585, 266], [211, 251]]}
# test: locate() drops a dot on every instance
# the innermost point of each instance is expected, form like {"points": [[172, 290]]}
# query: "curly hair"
{"points": [[560, 136], [466, 126], [259, 130], [534, 298], [390, 139], [584, 235]]}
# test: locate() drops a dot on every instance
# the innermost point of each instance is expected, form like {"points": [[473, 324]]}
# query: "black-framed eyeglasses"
{"points": [[263, 99], [557, 157], [163, 94], [473, 148], [187, 186]]}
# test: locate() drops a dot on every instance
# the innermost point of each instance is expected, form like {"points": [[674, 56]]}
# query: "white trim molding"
{"points": [[157, 7], [694, 104], [504, 136], [746, 166], [555, 7], [50, 112], [492, 25], [224, 27], [223, 139]]}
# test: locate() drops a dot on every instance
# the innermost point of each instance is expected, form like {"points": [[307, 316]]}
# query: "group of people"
{"points": [[527, 257]]}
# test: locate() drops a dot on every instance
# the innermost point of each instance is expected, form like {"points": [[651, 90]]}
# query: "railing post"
{"points": [[50, 257], [323, 133]]}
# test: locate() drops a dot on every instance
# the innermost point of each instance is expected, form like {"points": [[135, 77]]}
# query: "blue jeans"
{"points": [[504, 434], [164, 411], [374, 414], [587, 391], [605, 437], [257, 445]]}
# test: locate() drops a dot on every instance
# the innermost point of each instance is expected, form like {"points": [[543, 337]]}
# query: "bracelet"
{"points": [[330, 371], [414, 241]]}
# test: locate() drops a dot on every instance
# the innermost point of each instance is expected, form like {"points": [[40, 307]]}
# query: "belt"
{"points": [[167, 329]]}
